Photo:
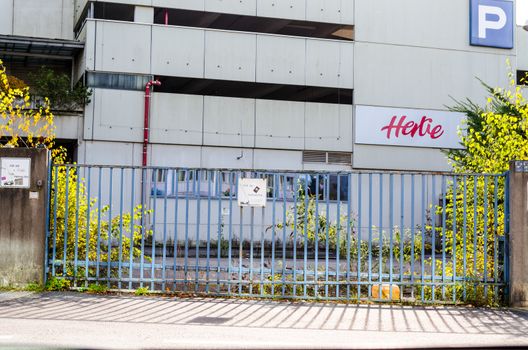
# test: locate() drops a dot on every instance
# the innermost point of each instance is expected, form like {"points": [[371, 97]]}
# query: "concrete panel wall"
{"points": [[279, 124], [197, 5], [399, 158], [213, 54], [110, 153], [392, 75], [177, 119], [115, 115], [144, 14], [522, 49], [278, 160], [328, 127], [329, 63], [290, 9], [6, 17], [229, 121], [281, 60], [115, 54], [230, 56], [50, 19], [240, 7], [440, 24], [178, 51]]}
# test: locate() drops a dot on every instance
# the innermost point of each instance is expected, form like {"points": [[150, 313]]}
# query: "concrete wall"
{"points": [[22, 227], [331, 11], [214, 54], [51, 19], [117, 115], [519, 234]]}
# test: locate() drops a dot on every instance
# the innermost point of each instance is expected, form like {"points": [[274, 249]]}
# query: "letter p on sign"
{"points": [[492, 23]]}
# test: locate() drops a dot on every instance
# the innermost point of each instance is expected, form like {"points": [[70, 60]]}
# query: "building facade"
{"points": [[265, 84]]}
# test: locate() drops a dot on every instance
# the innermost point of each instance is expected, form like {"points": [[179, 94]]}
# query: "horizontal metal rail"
{"points": [[352, 236]]}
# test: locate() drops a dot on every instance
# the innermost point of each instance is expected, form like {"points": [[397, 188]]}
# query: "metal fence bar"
{"points": [[319, 212]]}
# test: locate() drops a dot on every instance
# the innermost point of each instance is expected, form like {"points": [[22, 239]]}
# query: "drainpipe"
{"points": [[147, 118]]}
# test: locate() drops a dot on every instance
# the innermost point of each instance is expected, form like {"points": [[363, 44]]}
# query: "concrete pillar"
{"points": [[519, 234], [23, 197]]}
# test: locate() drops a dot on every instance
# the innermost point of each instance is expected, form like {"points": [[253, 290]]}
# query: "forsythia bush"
{"points": [[80, 230], [20, 125], [493, 136]]}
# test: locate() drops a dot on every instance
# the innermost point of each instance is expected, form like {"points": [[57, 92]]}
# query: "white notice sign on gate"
{"points": [[252, 192], [15, 172]]}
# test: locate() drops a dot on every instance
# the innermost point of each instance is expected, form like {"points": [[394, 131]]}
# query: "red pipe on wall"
{"points": [[147, 118]]}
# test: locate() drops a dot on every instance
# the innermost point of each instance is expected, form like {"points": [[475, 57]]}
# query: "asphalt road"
{"points": [[77, 320]]}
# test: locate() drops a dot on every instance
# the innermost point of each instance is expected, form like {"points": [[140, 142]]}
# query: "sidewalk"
{"points": [[128, 322]]}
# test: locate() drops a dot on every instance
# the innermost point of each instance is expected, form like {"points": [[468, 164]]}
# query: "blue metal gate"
{"points": [[353, 236]]}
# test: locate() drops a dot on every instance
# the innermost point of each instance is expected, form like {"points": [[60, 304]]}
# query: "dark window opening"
{"points": [[253, 24], [522, 77], [116, 81], [116, 12], [265, 91]]}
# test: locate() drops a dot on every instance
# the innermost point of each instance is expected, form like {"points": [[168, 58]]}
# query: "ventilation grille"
{"points": [[340, 157], [314, 157], [327, 157]]}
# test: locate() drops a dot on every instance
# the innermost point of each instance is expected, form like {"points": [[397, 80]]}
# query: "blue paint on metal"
{"points": [[315, 207]]}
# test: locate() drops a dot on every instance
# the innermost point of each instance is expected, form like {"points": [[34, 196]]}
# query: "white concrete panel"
{"points": [[143, 14], [347, 11], [198, 5], [90, 44], [130, 2], [118, 115], [229, 121], [178, 51], [329, 63], [291, 9], [328, 127], [241, 7], [325, 167], [68, 10], [122, 154], [227, 158], [277, 160], [522, 49], [68, 126], [230, 56], [279, 124], [32, 18], [399, 158], [441, 24], [6, 17], [281, 60], [117, 55], [175, 156], [79, 6], [346, 71], [324, 10], [416, 77], [176, 119]]}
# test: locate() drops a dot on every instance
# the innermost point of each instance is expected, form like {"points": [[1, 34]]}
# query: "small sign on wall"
{"points": [[252, 192], [15, 172], [408, 127]]}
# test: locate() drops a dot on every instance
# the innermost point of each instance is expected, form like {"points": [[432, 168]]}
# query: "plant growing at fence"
{"points": [[83, 232], [492, 137]]}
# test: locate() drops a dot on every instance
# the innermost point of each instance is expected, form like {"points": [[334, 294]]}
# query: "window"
{"points": [[117, 81]]}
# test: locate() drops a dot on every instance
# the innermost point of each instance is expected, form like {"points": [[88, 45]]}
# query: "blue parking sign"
{"points": [[492, 23]]}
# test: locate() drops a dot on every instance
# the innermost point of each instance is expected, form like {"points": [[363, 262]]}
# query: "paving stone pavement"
{"points": [[79, 320]]}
